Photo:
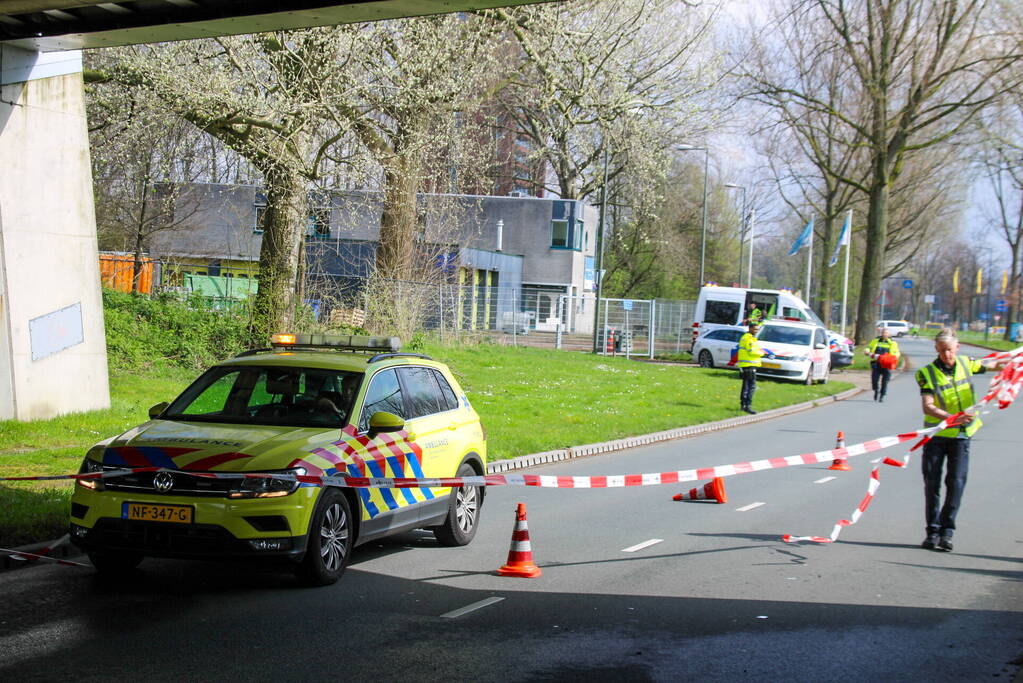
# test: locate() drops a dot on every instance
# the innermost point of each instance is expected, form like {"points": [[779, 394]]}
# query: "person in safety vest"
{"points": [[879, 375], [748, 360], [755, 314], [946, 388]]}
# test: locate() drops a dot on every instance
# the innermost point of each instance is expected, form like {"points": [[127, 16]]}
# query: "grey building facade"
{"points": [[522, 253]]}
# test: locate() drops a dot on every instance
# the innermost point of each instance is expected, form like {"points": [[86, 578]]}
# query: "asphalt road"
{"points": [[712, 592]]}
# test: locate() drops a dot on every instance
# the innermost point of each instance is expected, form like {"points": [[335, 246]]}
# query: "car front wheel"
{"points": [[330, 541], [463, 513], [706, 360]]}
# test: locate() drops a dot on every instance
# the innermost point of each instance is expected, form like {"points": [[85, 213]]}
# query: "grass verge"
{"points": [[529, 400]]}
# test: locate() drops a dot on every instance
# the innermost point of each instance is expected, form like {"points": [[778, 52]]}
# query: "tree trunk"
{"points": [[824, 272], [399, 224], [873, 258], [274, 304]]}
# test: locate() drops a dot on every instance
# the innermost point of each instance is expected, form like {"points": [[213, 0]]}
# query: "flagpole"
{"points": [[845, 280], [809, 266]]}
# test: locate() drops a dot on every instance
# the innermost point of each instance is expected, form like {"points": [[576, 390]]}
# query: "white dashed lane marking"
{"points": [[747, 508], [825, 480], [462, 611], [640, 546]]}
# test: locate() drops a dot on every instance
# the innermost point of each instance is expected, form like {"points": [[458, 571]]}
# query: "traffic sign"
{"points": [[1001, 306], [627, 304], [907, 284]]}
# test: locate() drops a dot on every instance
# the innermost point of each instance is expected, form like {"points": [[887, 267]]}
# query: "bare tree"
{"points": [[593, 73], [924, 69]]}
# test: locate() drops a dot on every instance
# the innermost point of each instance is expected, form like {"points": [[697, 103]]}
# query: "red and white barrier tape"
{"points": [[22, 556], [1004, 388], [543, 481]]}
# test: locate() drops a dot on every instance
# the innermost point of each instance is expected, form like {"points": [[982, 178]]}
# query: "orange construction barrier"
{"points": [[840, 463], [520, 555], [715, 490]]}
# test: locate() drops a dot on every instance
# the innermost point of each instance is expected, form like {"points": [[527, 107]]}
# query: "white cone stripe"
{"points": [[520, 546]]}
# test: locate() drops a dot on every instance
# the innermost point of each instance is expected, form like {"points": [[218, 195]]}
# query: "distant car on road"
{"points": [[897, 328]]}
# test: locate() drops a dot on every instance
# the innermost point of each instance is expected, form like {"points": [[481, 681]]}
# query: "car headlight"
{"points": [[90, 466], [266, 487]]}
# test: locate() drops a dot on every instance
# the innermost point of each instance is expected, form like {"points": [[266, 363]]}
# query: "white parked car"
{"points": [[714, 349], [842, 349], [896, 328], [800, 351]]}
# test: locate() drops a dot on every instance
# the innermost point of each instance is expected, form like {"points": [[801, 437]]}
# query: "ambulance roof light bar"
{"points": [[340, 342]]}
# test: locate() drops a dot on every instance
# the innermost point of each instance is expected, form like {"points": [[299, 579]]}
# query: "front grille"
{"points": [[184, 484], [174, 539]]}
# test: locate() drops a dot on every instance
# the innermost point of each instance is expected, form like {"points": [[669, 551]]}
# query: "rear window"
{"points": [[785, 335], [721, 312]]}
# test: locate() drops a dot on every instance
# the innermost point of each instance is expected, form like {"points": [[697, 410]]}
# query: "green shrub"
{"points": [[166, 329]]}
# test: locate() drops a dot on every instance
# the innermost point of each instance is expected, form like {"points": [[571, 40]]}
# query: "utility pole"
{"points": [[600, 260]]}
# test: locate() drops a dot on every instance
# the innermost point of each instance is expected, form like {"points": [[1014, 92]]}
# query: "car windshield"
{"points": [[285, 396], [785, 335]]}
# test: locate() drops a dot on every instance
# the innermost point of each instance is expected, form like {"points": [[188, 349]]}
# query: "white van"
{"points": [[729, 307]]}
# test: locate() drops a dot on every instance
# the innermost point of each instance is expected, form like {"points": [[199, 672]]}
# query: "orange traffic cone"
{"points": [[715, 490], [840, 463], [520, 555]]}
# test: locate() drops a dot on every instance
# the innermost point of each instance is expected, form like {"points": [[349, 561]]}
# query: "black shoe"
{"points": [[881, 400], [747, 409], [930, 543], [875, 394], [945, 544]]}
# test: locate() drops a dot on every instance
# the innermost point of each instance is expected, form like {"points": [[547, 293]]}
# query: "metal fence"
{"points": [[541, 316]]}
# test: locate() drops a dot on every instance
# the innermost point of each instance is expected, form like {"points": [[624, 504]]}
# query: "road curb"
{"points": [[586, 450]]}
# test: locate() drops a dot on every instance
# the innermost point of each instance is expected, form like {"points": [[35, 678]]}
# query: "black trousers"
{"points": [[882, 374], [749, 386], [941, 518]]}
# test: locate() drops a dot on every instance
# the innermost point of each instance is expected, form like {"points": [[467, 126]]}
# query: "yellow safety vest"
{"points": [[749, 352], [952, 393], [879, 346], [756, 315]]}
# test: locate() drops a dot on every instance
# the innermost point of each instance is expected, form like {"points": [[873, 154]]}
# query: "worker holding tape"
{"points": [[946, 389], [748, 360], [880, 366]]}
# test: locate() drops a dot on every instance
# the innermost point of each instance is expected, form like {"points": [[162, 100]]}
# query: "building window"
{"points": [[559, 234], [578, 230], [318, 224], [258, 226]]}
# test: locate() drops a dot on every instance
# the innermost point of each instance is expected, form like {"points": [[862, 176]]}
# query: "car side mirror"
{"points": [[818, 345], [155, 411], [383, 422]]}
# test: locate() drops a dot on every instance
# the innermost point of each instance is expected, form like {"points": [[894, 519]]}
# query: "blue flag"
{"points": [[843, 239], [803, 237]]}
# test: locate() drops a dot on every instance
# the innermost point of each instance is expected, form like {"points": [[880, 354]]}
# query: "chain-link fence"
{"points": [[527, 315]]}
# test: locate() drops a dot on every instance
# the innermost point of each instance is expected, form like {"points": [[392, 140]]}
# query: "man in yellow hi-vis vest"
{"points": [[748, 360], [946, 388], [879, 375]]}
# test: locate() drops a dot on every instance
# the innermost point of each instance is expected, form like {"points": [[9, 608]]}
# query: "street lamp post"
{"points": [[742, 227], [703, 229], [600, 262]]}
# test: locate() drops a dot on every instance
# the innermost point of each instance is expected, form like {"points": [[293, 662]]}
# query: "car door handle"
{"points": [[453, 426]]}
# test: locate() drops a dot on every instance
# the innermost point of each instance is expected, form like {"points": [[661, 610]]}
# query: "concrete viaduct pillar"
{"points": [[52, 346]]}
